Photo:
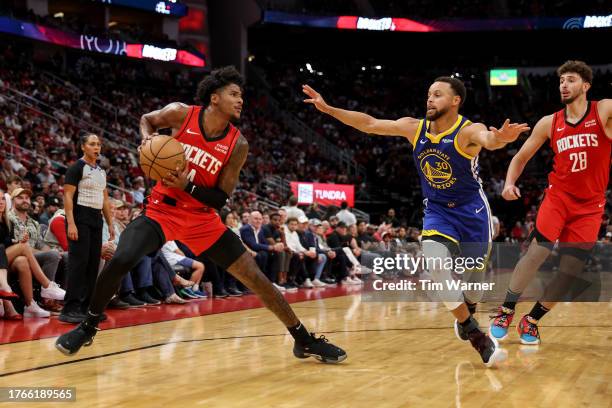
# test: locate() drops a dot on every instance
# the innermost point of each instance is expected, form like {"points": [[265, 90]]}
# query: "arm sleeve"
{"points": [[58, 228], [212, 197]]}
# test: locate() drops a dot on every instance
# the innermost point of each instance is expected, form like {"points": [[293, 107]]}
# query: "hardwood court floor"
{"points": [[400, 355]]}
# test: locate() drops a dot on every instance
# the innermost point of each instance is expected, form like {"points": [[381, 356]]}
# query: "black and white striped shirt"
{"points": [[90, 183]]}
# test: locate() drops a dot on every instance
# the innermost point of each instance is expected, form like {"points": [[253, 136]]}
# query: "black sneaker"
{"points": [[321, 349], [233, 292], [132, 301], [72, 317], [70, 343], [486, 346], [460, 332], [117, 303], [147, 299], [329, 281], [220, 294]]}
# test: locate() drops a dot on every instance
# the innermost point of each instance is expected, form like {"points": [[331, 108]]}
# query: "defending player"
{"points": [[446, 147], [183, 208], [574, 201]]}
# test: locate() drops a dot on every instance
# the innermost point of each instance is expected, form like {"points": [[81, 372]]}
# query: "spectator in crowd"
{"points": [[45, 175], [273, 234], [52, 204], [134, 289], [337, 241], [345, 215], [138, 190], [17, 256], [293, 211], [318, 228], [231, 222], [6, 171], [244, 219], [390, 218], [297, 272], [85, 200], [314, 212], [364, 236], [316, 265], [26, 227], [195, 269], [252, 236], [12, 183]]}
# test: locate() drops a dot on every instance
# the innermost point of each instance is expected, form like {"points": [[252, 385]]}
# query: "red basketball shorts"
{"points": [[199, 230], [563, 218]]}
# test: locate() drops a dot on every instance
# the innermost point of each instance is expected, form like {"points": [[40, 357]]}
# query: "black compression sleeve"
{"points": [[212, 197]]}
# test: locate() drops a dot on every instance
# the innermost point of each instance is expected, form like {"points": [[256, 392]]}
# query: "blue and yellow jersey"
{"points": [[448, 175]]}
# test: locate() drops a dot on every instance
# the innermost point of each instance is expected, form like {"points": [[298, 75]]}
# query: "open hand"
{"points": [[509, 132], [315, 99]]}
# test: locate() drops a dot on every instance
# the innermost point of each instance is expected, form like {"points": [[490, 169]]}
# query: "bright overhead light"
{"points": [[112, 23], [363, 68], [59, 15], [378, 67]]}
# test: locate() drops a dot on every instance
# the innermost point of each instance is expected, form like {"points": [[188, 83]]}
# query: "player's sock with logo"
{"points": [[300, 334], [511, 299], [537, 312]]}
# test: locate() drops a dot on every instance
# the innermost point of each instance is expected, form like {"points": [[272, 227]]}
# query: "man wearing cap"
{"points": [[314, 266], [24, 226], [52, 204]]}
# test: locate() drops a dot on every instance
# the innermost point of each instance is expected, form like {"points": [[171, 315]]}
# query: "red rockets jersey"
{"points": [[581, 165], [205, 156]]}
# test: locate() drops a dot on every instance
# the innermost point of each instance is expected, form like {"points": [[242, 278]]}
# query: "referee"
{"points": [[85, 199]]}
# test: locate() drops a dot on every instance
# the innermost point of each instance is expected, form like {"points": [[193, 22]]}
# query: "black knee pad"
{"points": [[540, 239], [226, 250], [581, 254]]}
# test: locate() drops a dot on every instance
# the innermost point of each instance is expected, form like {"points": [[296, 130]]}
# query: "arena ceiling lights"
{"points": [[410, 25]]}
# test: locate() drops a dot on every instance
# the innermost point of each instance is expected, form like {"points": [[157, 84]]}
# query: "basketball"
{"points": [[161, 155]]}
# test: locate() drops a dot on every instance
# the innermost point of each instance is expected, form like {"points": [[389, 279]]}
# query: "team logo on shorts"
{"points": [[436, 168]]}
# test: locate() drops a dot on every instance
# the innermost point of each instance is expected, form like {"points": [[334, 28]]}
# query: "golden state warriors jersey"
{"points": [[448, 175]]}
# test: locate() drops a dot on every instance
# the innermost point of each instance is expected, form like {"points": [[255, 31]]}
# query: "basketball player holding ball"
{"points": [[184, 207]]}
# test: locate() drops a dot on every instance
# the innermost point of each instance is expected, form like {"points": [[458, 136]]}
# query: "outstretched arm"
{"points": [[405, 127], [538, 137], [494, 138]]}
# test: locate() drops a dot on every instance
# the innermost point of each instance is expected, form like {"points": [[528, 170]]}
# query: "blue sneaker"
{"points": [[200, 293], [528, 331], [501, 322], [187, 293]]}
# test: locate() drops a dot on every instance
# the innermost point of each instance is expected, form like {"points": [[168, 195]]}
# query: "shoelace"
{"points": [[501, 315], [320, 339]]}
